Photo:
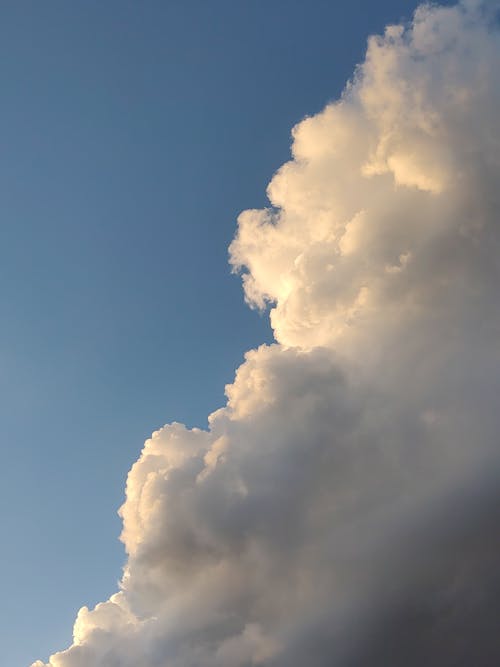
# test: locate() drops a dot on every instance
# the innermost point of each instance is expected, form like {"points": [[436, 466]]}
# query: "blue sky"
{"points": [[132, 134]]}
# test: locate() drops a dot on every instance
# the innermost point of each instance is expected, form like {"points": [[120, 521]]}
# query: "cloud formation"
{"points": [[343, 507]]}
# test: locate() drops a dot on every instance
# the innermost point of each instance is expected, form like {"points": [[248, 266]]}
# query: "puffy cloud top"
{"points": [[387, 190], [342, 508]]}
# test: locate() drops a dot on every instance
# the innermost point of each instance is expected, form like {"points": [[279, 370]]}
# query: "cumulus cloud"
{"points": [[343, 507]]}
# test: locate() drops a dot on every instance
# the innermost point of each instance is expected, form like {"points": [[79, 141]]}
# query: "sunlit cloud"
{"points": [[342, 508]]}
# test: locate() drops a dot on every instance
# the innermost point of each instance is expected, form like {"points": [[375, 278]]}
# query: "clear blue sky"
{"points": [[131, 135]]}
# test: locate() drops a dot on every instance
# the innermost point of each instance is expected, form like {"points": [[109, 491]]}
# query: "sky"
{"points": [[133, 137]]}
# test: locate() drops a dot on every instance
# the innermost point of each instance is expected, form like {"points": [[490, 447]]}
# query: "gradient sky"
{"points": [[132, 136]]}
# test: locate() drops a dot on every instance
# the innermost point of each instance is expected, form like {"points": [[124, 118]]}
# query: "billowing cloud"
{"points": [[343, 507]]}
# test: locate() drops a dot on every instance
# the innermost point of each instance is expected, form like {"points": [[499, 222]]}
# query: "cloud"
{"points": [[343, 507]]}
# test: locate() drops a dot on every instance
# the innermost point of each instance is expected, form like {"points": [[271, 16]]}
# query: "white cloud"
{"points": [[343, 507]]}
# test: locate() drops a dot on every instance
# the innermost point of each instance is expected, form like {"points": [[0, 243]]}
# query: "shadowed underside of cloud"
{"points": [[343, 507]]}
